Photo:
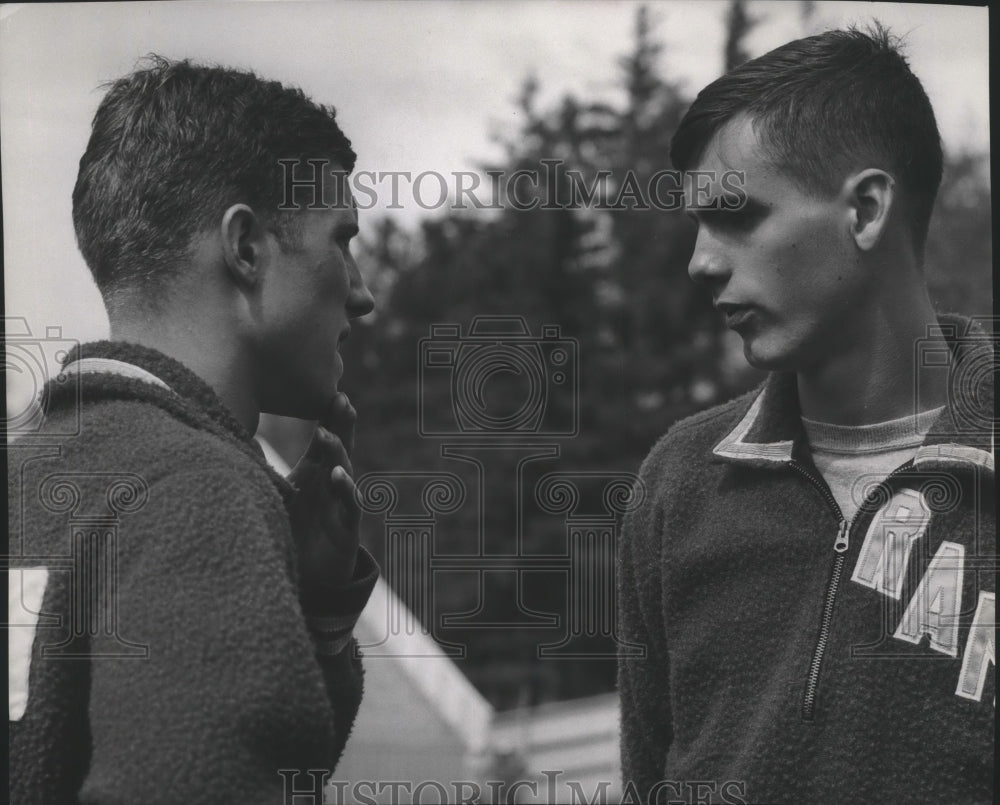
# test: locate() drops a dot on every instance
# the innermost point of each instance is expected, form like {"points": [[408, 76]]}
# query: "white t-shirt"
{"points": [[853, 457]]}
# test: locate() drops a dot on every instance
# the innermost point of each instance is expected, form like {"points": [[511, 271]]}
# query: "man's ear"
{"points": [[871, 195], [243, 244]]}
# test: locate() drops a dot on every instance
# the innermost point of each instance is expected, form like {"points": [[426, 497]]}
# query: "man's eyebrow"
{"points": [[752, 203], [749, 205]]}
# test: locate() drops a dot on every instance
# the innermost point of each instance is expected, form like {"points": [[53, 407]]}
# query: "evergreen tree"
{"points": [[738, 24]]}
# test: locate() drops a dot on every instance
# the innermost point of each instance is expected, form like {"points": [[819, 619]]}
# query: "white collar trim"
{"points": [[952, 454], [733, 446], [108, 366]]}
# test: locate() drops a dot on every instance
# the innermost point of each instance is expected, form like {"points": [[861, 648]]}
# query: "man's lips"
{"points": [[736, 314]]}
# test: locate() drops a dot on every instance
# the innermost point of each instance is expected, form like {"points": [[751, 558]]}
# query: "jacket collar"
{"points": [[120, 370], [771, 433]]}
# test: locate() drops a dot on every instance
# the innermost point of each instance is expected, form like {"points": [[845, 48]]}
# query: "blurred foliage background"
{"points": [[650, 348]]}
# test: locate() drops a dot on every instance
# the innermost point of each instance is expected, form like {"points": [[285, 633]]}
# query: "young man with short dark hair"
{"points": [[193, 643], [812, 574]]}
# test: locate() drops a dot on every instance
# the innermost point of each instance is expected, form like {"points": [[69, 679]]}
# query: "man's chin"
{"points": [[768, 359]]}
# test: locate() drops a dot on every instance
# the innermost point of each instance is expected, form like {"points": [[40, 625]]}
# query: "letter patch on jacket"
{"points": [[886, 549], [980, 649], [25, 591], [934, 608]]}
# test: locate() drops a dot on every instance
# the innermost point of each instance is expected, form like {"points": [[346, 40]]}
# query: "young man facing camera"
{"points": [[813, 572], [199, 648]]}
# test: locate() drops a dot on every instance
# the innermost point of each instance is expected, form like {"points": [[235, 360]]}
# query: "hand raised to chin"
{"points": [[325, 516]]}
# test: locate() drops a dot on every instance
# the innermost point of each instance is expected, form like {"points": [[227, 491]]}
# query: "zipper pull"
{"points": [[841, 543]]}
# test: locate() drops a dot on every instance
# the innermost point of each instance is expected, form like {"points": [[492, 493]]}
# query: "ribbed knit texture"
{"points": [[908, 431], [231, 689], [850, 458]]}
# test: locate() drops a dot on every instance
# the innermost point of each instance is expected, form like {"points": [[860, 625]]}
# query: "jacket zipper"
{"points": [[840, 546]]}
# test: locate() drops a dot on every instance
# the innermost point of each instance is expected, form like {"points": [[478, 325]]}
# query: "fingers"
{"points": [[314, 452], [326, 465], [325, 452], [334, 452], [344, 487], [340, 420], [328, 450]]}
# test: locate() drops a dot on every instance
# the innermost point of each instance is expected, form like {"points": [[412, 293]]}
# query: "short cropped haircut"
{"points": [[823, 107], [173, 145]]}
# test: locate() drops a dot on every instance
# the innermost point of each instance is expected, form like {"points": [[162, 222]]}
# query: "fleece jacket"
{"points": [[163, 653], [790, 656]]}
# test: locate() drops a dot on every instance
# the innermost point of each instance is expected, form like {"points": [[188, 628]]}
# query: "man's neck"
{"points": [[877, 377], [217, 364]]}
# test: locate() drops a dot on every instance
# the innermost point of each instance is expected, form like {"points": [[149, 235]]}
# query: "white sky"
{"points": [[418, 86]]}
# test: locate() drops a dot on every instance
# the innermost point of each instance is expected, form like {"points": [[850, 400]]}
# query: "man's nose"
{"points": [[360, 301], [709, 263]]}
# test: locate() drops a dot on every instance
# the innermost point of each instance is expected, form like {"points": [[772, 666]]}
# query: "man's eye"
{"points": [[741, 220], [736, 219]]}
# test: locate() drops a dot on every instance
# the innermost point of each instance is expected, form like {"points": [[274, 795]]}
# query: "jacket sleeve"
{"points": [[332, 629], [232, 690], [643, 680]]}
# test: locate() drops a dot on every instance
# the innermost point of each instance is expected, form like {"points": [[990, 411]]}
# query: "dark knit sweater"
{"points": [[774, 673], [172, 662]]}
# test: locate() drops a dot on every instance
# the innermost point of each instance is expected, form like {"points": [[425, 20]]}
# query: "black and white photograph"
{"points": [[547, 401]]}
